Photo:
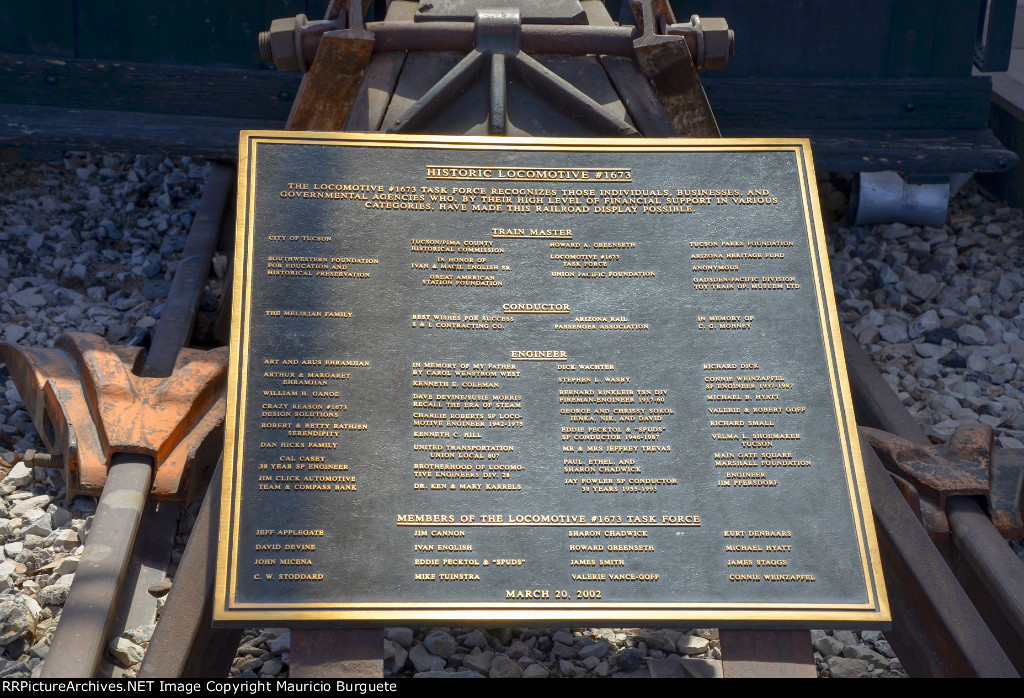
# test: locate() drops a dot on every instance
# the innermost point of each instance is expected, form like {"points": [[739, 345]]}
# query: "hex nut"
{"points": [[284, 42], [719, 42]]}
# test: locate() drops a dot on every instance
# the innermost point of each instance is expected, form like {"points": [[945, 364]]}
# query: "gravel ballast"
{"points": [[90, 244]]}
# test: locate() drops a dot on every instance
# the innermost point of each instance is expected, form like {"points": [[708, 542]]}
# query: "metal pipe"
{"points": [[883, 197], [570, 39], [81, 637]]}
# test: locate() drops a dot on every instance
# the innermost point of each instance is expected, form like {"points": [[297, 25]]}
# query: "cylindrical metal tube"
{"points": [[571, 39], [883, 197]]}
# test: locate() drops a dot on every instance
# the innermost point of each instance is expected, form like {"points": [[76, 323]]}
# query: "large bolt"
{"points": [[34, 458], [266, 53], [281, 43], [719, 42], [714, 40]]}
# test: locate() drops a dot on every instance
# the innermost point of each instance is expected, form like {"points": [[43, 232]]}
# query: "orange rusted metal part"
{"points": [[88, 404], [329, 88], [931, 474], [670, 64]]}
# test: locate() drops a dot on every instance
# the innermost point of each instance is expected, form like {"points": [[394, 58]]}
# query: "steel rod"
{"points": [[569, 39], [441, 95]]}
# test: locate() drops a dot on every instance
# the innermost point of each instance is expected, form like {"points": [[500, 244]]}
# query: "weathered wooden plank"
{"points": [[329, 88], [228, 92], [738, 103], [856, 103], [1008, 124], [928, 152], [164, 89], [49, 128]]}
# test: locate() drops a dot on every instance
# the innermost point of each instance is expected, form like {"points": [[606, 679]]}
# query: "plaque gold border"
{"points": [[874, 612]]}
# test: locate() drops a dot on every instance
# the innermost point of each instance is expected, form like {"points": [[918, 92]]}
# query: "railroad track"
{"points": [[971, 629], [939, 628]]}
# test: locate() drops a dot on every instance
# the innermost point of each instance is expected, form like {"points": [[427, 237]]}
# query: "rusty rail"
{"points": [[175, 327], [81, 637], [999, 593]]}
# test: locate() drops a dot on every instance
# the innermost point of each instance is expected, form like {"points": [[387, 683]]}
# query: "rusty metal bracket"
{"points": [[89, 405], [670, 64], [964, 466], [959, 468], [331, 82]]}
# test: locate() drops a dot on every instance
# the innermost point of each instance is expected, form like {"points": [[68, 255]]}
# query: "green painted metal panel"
{"points": [[45, 29], [795, 38], [842, 38], [932, 37], [196, 32]]}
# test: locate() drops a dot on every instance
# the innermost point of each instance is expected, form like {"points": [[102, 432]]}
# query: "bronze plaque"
{"points": [[542, 381]]}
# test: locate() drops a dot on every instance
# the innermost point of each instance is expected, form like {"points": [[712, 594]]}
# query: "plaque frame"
{"points": [[230, 610]]}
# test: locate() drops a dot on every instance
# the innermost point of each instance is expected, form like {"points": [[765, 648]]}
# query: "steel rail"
{"points": [[982, 552], [936, 631], [999, 595], [81, 637], [175, 328], [80, 640], [184, 644]]}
